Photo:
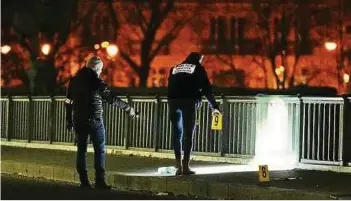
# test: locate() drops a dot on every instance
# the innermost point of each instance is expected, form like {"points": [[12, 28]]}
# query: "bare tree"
{"points": [[276, 20], [44, 21], [229, 60], [147, 19], [233, 37]]}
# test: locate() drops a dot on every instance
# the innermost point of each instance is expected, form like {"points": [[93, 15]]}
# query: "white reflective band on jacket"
{"points": [[69, 101], [184, 68]]}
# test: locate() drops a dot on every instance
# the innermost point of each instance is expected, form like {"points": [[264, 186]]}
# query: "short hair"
{"points": [[94, 62]]}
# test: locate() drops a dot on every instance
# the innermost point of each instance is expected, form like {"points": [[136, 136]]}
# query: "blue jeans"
{"points": [[95, 128], [182, 115]]}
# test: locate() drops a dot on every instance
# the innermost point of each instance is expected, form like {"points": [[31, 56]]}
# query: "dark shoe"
{"points": [[179, 172], [188, 172], [186, 168], [178, 167], [102, 186], [85, 186]]}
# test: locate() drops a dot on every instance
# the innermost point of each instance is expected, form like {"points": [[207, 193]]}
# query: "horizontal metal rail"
{"points": [[317, 127]]}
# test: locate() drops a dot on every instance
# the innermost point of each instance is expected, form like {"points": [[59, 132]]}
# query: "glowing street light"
{"points": [[112, 50], [45, 49], [279, 70], [97, 46], [105, 44], [330, 46], [5, 49], [346, 78]]}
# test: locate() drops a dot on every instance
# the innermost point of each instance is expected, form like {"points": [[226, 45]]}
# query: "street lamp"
{"points": [[5, 49], [105, 44], [97, 46], [330, 46], [346, 78], [112, 50], [45, 49]]}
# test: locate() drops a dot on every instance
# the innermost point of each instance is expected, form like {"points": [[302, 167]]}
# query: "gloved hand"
{"points": [[131, 112], [69, 126], [216, 112]]}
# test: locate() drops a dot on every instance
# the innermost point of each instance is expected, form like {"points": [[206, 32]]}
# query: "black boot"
{"points": [[84, 181], [102, 186], [186, 168], [100, 182], [178, 167]]}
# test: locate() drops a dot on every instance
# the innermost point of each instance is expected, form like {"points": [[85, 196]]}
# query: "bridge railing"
{"points": [[322, 129], [318, 128]]}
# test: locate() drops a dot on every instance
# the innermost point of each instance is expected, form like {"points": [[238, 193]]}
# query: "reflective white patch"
{"points": [[69, 101], [184, 68]]}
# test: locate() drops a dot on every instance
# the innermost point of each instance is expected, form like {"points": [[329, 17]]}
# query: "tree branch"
{"points": [[257, 7], [142, 18], [130, 61], [114, 18], [159, 15], [72, 27], [231, 64], [169, 37], [169, 7]]}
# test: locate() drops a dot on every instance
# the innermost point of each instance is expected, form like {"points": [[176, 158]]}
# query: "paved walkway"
{"points": [[27, 188], [130, 172]]}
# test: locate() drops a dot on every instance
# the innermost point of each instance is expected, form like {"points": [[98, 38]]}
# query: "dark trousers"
{"points": [[182, 115], [95, 128]]}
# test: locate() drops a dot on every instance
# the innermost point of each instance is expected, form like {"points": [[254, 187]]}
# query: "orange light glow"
{"points": [[330, 46], [105, 44], [279, 70], [45, 49], [5, 49], [112, 50], [346, 78]]}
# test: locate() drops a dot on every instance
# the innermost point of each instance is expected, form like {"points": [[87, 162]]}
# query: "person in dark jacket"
{"points": [[85, 94], [187, 83]]}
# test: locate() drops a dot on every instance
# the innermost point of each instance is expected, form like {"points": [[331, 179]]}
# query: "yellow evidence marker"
{"points": [[263, 173], [217, 122]]}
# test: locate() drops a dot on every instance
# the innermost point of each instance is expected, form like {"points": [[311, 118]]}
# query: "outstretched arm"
{"points": [[111, 98]]}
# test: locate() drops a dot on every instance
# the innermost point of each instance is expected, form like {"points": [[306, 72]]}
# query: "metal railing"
{"points": [[322, 129], [241, 124], [315, 126]]}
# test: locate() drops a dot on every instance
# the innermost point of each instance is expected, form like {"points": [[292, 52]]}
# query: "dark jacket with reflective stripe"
{"points": [[190, 81], [87, 91]]}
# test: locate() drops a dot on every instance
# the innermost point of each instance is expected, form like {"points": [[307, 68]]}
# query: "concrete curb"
{"points": [[176, 185], [116, 151], [340, 169]]}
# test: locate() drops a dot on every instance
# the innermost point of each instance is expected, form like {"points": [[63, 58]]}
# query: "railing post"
{"points": [[225, 130], [347, 131], [127, 131], [156, 123], [9, 118], [30, 119], [301, 129], [341, 133], [53, 120]]}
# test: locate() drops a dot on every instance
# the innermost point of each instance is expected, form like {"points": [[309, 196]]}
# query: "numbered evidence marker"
{"points": [[263, 173], [217, 122]]}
